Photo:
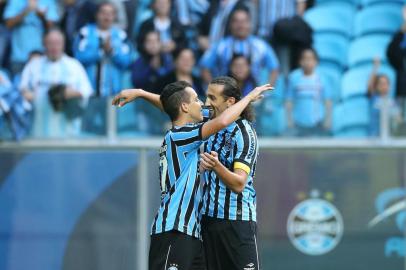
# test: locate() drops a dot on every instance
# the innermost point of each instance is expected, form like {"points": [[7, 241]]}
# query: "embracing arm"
{"points": [[234, 180], [129, 95]]}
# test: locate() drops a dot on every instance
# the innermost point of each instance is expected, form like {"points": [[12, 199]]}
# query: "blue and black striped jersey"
{"points": [[180, 181], [237, 147]]}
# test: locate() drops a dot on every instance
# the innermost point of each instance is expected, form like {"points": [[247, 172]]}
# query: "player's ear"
{"points": [[230, 101], [184, 107]]}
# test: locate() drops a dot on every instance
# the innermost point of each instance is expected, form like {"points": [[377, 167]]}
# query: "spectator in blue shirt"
{"points": [[378, 92], [216, 61], [27, 20], [104, 50], [240, 70], [308, 99], [151, 64], [73, 19], [4, 36]]}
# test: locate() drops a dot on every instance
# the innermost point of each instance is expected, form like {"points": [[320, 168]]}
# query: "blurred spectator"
{"points": [[33, 55], [240, 70], [44, 73], [4, 36], [104, 51], [15, 112], [214, 25], [216, 60], [27, 20], [190, 12], [184, 62], [270, 11], [291, 35], [171, 33], [381, 104], [309, 98], [121, 20], [73, 19], [151, 64], [397, 57]]}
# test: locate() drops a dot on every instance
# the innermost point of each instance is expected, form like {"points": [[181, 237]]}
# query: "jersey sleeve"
{"points": [[246, 146]]}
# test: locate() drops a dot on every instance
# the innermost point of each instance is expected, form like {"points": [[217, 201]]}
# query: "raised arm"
{"points": [[233, 113], [129, 95]]}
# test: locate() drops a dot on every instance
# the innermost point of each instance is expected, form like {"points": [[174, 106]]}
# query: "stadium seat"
{"points": [[322, 2], [355, 81], [373, 2], [336, 17], [271, 111], [331, 48], [351, 118], [127, 120], [271, 119], [365, 49], [378, 19]]}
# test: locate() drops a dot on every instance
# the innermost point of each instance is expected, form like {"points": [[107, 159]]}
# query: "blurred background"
{"points": [[78, 177]]}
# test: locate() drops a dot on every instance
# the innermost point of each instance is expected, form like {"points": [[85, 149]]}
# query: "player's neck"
{"points": [[182, 120]]}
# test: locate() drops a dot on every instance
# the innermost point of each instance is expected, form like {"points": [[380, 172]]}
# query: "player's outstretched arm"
{"points": [[129, 95], [232, 113], [234, 180]]}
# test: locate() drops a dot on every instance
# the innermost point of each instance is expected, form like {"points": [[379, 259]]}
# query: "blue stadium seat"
{"points": [[351, 118], [128, 121], [322, 2], [373, 2], [365, 49], [378, 19], [336, 17], [355, 80], [270, 112], [271, 120], [331, 48]]}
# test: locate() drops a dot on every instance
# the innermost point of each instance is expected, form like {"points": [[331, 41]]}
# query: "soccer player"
{"points": [[229, 203], [176, 228]]}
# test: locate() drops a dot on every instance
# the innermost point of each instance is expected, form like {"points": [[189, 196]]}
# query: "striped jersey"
{"points": [[180, 181], [237, 148]]}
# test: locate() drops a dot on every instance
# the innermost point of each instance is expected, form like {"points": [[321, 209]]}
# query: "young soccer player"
{"points": [[176, 228]]}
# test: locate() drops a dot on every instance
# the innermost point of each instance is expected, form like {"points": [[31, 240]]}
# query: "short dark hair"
{"points": [[106, 3], [240, 8], [173, 96], [178, 51], [231, 89]]}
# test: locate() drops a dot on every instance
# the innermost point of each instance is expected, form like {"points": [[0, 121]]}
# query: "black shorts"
{"points": [[177, 251], [229, 244]]}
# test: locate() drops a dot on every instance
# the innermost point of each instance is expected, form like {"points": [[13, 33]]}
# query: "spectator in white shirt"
{"points": [[41, 74]]}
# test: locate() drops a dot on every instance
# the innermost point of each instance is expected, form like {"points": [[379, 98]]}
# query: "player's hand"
{"points": [[258, 92], [209, 161], [125, 96]]}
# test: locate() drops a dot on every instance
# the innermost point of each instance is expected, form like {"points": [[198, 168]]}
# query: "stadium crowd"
{"points": [[62, 61]]}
